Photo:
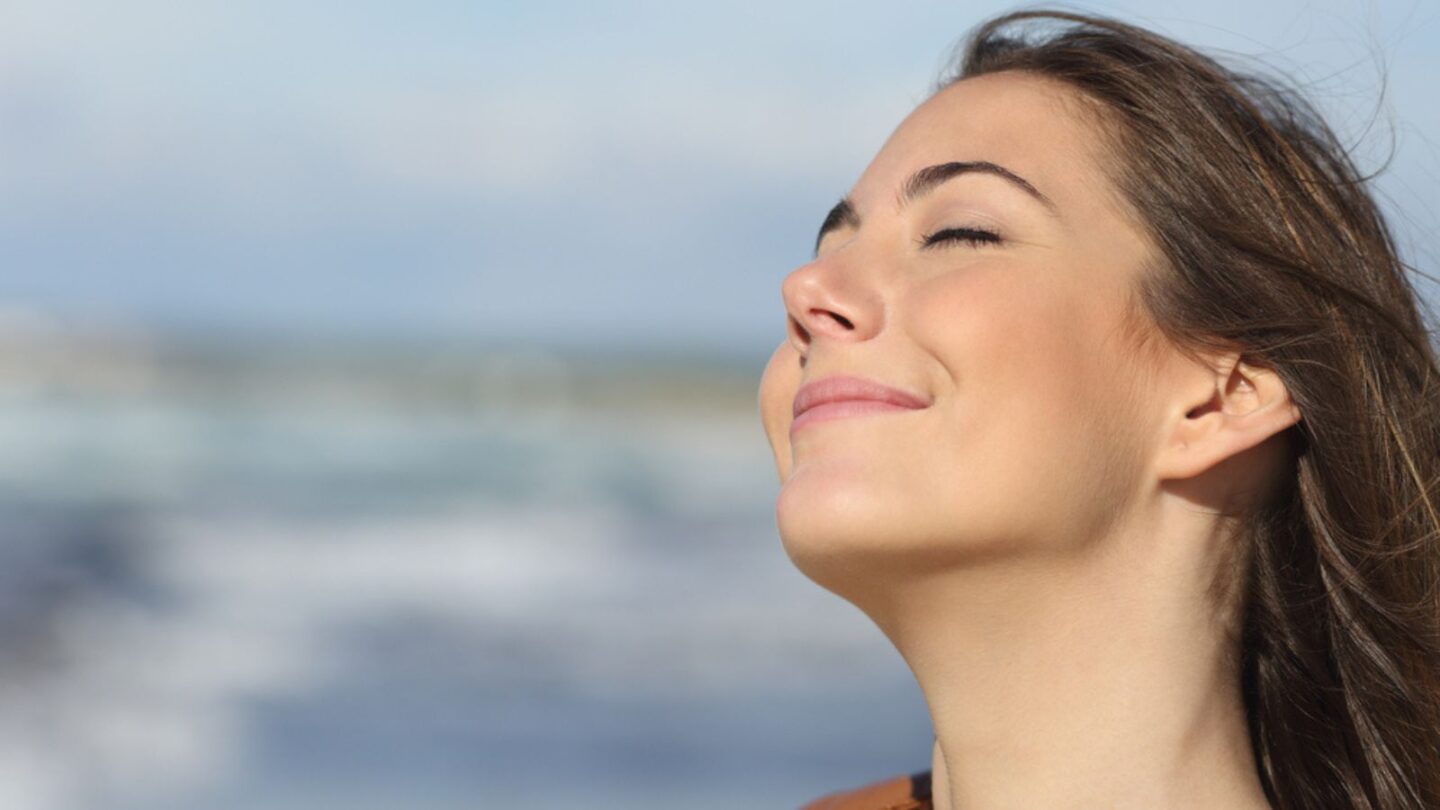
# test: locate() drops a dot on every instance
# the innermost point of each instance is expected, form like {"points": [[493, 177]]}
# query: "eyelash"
{"points": [[973, 236]]}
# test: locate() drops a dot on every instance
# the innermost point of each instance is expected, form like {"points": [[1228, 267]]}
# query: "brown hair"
{"points": [[1268, 240]]}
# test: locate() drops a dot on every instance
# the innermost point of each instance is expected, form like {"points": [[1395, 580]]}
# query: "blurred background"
{"points": [[377, 387]]}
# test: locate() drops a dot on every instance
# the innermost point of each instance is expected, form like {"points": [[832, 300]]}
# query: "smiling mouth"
{"points": [[844, 408], [843, 396]]}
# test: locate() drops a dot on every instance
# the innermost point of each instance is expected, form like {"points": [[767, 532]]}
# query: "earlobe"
{"points": [[1238, 407]]}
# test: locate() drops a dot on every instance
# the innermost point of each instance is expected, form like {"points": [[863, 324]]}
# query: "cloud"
{"points": [[378, 164]]}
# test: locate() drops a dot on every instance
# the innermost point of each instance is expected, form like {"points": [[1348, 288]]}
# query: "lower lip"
{"points": [[842, 409]]}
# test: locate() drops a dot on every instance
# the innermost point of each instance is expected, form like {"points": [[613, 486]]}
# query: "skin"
{"points": [[1043, 542]]}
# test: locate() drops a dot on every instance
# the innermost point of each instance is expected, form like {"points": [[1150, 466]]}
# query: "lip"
{"points": [[845, 395]]}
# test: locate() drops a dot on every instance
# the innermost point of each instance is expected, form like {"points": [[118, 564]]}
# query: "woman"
{"points": [[1107, 398]]}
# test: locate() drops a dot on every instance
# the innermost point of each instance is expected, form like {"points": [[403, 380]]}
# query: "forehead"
{"points": [[1033, 126]]}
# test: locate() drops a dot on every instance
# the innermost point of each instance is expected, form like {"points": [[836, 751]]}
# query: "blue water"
{"points": [[253, 577]]}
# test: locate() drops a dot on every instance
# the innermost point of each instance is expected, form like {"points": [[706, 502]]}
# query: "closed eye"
{"points": [[972, 236]]}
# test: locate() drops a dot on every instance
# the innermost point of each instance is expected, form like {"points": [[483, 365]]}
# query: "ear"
{"points": [[1222, 411]]}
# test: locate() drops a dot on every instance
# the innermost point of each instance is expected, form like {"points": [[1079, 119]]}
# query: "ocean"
{"points": [[246, 573]]}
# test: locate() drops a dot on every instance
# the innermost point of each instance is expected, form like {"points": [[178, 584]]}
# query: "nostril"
{"points": [[797, 332], [803, 331]]}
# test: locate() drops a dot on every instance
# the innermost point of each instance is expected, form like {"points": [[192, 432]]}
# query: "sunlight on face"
{"points": [[996, 303]]}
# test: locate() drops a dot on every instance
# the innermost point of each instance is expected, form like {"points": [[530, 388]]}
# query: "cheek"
{"points": [[777, 396], [1013, 349], [998, 331], [1039, 399]]}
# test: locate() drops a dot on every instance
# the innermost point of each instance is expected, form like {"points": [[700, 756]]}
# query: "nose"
{"points": [[822, 300]]}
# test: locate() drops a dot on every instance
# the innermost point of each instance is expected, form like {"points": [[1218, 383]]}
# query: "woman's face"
{"points": [[1036, 429]]}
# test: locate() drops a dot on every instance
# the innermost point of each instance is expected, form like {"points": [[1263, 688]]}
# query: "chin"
{"points": [[858, 536], [836, 528]]}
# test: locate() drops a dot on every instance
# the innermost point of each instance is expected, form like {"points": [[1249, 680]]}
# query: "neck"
{"points": [[1099, 681]]}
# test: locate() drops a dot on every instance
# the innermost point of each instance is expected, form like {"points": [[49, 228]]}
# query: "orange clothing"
{"points": [[910, 792]]}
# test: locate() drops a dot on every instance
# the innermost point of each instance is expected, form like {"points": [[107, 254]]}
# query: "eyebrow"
{"points": [[922, 182]]}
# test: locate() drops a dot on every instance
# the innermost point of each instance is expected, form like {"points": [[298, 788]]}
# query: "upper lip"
{"points": [[845, 387]]}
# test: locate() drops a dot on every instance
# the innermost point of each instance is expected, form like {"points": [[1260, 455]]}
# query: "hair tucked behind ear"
{"points": [[1268, 239]]}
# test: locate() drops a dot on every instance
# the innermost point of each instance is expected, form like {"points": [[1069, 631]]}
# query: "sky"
{"points": [[626, 173]]}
